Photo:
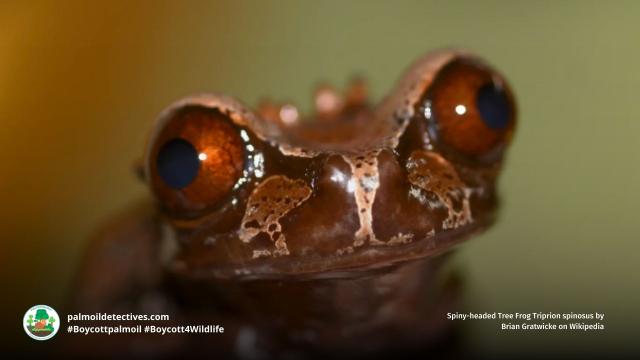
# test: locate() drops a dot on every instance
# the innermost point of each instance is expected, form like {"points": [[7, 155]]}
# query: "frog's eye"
{"points": [[470, 109], [195, 160]]}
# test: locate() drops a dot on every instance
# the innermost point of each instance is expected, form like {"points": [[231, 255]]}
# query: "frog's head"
{"points": [[266, 193]]}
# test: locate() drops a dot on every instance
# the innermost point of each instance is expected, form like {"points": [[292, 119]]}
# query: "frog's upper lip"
{"points": [[364, 260]]}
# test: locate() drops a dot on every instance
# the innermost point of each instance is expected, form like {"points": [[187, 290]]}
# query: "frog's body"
{"points": [[300, 236]]}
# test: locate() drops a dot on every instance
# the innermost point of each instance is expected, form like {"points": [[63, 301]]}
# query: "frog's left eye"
{"points": [[195, 160], [470, 109]]}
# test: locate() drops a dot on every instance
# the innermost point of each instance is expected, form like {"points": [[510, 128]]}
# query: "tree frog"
{"points": [[308, 235]]}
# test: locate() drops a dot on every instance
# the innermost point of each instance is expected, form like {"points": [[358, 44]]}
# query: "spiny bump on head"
{"points": [[329, 104]]}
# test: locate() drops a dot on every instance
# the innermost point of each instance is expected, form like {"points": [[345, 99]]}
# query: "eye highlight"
{"points": [[195, 160], [470, 109]]}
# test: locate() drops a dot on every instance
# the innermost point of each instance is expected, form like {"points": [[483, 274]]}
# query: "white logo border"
{"points": [[55, 328]]}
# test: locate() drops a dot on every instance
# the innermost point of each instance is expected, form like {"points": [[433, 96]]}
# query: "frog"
{"points": [[300, 235]]}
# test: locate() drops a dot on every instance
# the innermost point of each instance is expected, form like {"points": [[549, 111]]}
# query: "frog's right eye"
{"points": [[195, 160]]}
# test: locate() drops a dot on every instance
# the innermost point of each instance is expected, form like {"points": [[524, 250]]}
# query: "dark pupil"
{"points": [[178, 163], [493, 106]]}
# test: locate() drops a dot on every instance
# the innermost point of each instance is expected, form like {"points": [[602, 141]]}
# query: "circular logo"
{"points": [[41, 322]]}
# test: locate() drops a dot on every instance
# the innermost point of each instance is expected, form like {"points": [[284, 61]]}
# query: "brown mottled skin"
{"points": [[306, 236]]}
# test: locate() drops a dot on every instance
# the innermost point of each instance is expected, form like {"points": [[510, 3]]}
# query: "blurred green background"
{"points": [[81, 82]]}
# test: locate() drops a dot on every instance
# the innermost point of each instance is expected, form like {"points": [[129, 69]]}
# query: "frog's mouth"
{"points": [[202, 261]]}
